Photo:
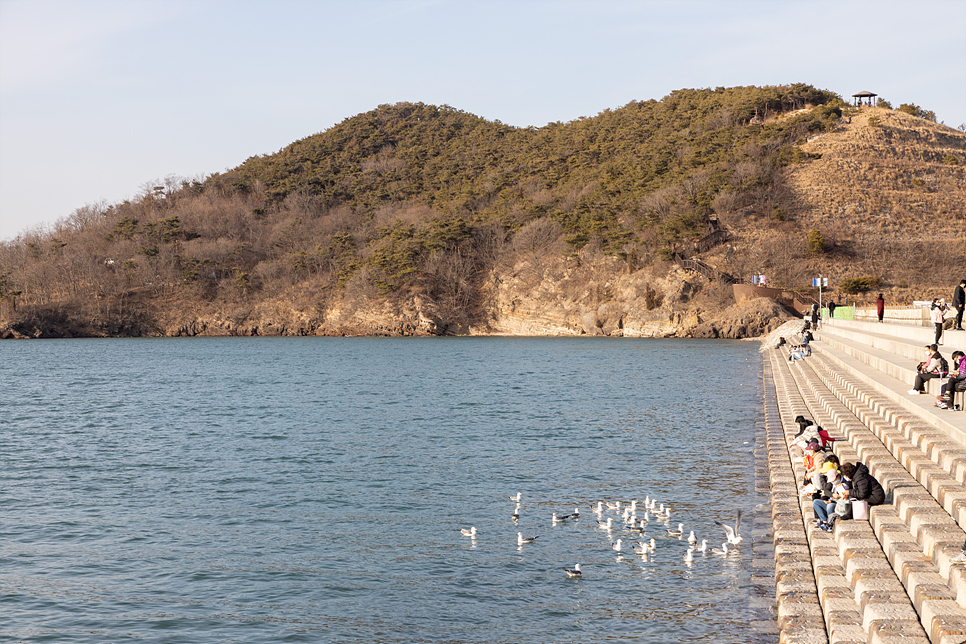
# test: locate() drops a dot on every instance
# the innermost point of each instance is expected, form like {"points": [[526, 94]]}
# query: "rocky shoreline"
{"points": [[556, 300]]}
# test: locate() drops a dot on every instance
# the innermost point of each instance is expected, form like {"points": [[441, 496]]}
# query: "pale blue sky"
{"points": [[99, 98]]}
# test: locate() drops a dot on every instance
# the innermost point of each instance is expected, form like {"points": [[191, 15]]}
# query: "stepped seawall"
{"points": [[892, 578]]}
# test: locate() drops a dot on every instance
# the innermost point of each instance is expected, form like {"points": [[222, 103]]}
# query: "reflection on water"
{"points": [[305, 489]]}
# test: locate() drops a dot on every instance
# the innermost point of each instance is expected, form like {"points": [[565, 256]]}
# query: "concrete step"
{"points": [[952, 423], [887, 363], [914, 334], [924, 531], [865, 593], [903, 349]]}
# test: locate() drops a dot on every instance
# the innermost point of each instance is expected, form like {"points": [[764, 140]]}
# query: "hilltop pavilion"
{"points": [[867, 96]]}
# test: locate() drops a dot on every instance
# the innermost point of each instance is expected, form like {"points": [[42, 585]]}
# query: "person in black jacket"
{"points": [[864, 485], [959, 301]]}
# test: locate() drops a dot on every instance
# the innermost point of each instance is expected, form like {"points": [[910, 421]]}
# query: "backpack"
{"points": [[943, 367]]}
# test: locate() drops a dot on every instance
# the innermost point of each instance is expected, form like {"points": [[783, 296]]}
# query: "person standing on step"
{"points": [[831, 309], [937, 313], [880, 307], [815, 316], [959, 301]]}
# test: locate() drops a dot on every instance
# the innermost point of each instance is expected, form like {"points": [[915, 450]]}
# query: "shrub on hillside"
{"points": [[816, 242], [915, 110], [950, 159], [860, 284]]}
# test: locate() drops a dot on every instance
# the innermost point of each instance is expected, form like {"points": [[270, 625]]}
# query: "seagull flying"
{"points": [[734, 538]]}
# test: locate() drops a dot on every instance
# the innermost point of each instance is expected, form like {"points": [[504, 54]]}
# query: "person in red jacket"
{"points": [[880, 307]]}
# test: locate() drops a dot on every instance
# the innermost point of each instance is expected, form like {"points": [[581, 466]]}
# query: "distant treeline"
{"points": [[414, 196]]}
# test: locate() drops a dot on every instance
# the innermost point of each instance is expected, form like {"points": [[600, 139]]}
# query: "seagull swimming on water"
{"points": [[574, 572], [723, 551], [688, 557], [606, 525], [516, 498], [555, 520], [516, 513], [734, 538], [617, 545], [576, 513], [692, 539], [469, 533], [600, 508], [704, 546], [522, 540], [676, 533]]}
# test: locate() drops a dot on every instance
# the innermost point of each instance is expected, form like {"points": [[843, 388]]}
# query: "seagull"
{"points": [[688, 557], [600, 508], [606, 525], [516, 498], [652, 546], [469, 533], [576, 513], [647, 517], [640, 548], [640, 528], [617, 546], [633, 506], [704, 546], [516, 513], [692, 539], [522, 540], [559, 519], [574, 572], [614, 506], [732, 533], [676, 533], [723, 551]]}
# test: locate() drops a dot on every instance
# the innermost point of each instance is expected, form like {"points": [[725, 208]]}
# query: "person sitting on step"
{"points": [[864, 486], [929, 368], [837, 501], [956, 382]]}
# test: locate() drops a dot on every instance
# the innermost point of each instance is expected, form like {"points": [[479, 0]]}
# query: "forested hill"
{"points": [[417, 206], [586, 174]]}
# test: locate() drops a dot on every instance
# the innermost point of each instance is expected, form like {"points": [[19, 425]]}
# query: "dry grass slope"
{"points": [[887, 178]]}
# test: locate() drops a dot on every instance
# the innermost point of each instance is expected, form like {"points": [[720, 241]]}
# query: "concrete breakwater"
{"points": [[891, 578]]}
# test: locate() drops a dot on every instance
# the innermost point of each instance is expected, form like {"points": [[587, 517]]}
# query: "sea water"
{"points": [[313, 489]]}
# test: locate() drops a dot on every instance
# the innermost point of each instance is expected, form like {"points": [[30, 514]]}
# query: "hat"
{"points": [[814, 446], [827, 467]]}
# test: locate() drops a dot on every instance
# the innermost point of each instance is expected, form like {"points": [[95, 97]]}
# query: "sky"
{"points": [[101, 99]]}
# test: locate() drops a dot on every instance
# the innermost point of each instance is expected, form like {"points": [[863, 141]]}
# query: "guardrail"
{"points": [[911, 315]]}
